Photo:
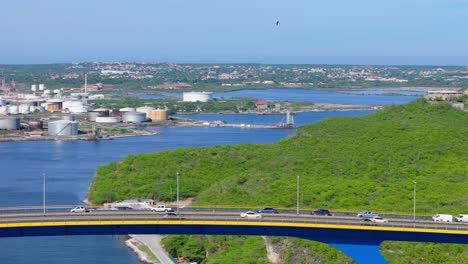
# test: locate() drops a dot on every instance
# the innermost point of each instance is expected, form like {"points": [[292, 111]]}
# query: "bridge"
{"points": [[349, 234]]}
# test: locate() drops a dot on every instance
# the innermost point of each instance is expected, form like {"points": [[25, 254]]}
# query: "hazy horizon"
{"points": [[364, 32]]}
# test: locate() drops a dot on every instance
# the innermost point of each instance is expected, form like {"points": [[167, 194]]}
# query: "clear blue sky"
{"points": [[310, 31]]}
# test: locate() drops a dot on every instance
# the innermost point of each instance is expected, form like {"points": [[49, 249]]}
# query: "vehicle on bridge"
{"points": [[250, 214], [461, 218], [79, 209], [443, 218], [161, 208], [367, 214], [321, 211], [376, 219], [267, 210]]}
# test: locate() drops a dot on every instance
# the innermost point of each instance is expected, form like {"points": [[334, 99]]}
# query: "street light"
{"points": [[43, 193], [414, 201], [177, 203], [297, 196]]}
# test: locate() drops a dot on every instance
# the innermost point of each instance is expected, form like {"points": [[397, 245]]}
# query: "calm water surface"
{"points": [[70, 165], [316, 96]]}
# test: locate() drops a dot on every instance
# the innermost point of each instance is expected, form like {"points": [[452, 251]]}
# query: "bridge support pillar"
{"points": [[362, 254]]}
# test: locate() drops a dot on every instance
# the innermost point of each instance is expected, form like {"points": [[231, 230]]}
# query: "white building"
{"points": [[197, 96]]}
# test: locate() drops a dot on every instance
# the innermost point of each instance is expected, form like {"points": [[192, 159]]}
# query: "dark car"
{"points": [[172, 214], [267, 210], [321, 212]]}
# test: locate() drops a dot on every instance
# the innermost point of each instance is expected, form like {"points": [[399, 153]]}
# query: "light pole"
{"points": [[414, 201], [43, 193], [297, 196], [177, 203]]}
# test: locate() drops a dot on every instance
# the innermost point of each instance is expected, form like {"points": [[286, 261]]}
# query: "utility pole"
{"points": [[297, 196], [43, 194], [414, 201], [177, 203]]}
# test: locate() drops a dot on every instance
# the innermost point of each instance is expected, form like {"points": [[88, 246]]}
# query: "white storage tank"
{"points": [[107, 119], [197, 96], [33, 87], [42, 87], [127, 109], [9, 123], [13, 109], [46, 91], [63, 128], [3, 110], [23, 109], [145, 109], [133, 117]]}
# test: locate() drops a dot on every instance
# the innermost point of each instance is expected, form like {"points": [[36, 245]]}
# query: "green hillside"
{"points": [[367, 162], [371, 159]]}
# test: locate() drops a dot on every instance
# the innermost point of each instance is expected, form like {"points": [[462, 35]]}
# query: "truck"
{"points": [[367, 214], [443, 218], [161, 208], [461, 218]]}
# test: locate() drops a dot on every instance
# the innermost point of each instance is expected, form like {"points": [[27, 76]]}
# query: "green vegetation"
{"points": [[234, 105], [409, 252], [367, 162], [247, 249]]}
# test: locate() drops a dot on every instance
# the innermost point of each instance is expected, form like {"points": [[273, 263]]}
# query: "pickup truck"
{"points": [[161, 208], [367, 214]]}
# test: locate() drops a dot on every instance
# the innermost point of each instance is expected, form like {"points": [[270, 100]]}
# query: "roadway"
{"points": [[60, 215]]}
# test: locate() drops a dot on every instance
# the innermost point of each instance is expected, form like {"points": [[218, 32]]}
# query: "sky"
{"points": [[379, 32]]}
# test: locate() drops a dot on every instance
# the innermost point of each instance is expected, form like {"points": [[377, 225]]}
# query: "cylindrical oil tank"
{"points": [[197, 96], [13, 109], [33, 87], [158, 115], [9, 123], [56, 91], [23, 109], [127, 109], [68, 117], [145, 109], [41, 86], [3, 110], [107, 119], [54, 107], [94, 114], [133, 117], [63, 128], [36, 124]]}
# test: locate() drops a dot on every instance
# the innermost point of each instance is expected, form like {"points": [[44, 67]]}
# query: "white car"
{"points": [[378, 220], [250, 214], [79, 209]]}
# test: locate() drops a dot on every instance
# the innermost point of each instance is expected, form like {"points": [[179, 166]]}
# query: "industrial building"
{"points": [[197, 96]]}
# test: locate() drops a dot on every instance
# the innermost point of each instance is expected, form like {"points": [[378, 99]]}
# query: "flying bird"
{"points": [[277, 23]]}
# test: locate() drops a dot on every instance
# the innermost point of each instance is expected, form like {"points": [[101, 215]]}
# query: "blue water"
{"points": [[299, 118], [70, 165], [316, 96]]}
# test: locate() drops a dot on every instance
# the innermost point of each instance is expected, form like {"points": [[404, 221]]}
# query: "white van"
{"points": [[461, 218], [442, 218]]}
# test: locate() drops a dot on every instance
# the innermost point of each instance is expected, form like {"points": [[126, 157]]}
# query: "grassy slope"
{"points": [[368, 162]]}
